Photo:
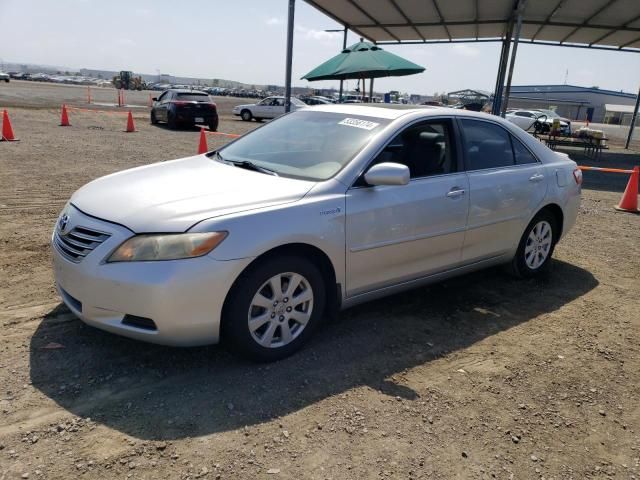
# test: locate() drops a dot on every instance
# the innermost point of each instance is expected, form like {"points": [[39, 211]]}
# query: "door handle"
{"points": [[455, 192], [536, 178]]}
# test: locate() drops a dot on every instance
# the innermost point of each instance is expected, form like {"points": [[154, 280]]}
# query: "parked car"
{"points": [[526, 119], [321, 209], [184, 107], [270, 107], [4, 77], [317, 100], [551, 114]]}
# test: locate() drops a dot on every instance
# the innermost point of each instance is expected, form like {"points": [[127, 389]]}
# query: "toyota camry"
{"points": [[324, 208]]}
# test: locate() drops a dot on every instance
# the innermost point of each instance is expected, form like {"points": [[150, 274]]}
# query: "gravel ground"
{"points": [[477, 377]]}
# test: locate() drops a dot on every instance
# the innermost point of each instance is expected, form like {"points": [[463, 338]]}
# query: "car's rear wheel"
{"points": [[213, 126], [536, 246], [246, 115], [274, 308]]}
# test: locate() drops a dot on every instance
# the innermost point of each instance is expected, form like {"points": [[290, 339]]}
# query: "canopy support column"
{"points": [[371, 90], [287, 81], [502, 69], [502, 65], [514, 50], [633, 121], [344, 46]]}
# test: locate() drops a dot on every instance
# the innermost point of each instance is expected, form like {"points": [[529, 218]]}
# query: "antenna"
{"points": [[566, 76]]}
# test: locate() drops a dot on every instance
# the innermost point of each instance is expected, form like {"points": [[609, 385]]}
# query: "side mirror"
{"points": [[154, 99], [387, 173]]}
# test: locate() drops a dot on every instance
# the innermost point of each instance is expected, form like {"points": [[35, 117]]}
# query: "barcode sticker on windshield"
{"points": [[356, 122]]}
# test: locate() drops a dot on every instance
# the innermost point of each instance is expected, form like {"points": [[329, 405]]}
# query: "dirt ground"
{"points": [[478, 377]]}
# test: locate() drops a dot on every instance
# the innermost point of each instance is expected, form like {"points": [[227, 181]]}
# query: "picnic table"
{"points": [[592, 146]]}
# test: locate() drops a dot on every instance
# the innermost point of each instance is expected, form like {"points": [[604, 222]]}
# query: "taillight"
{"points": [[577, 176], [179, 102]]}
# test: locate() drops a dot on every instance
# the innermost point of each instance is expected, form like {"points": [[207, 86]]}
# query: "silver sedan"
{"points": [[319, 210]]}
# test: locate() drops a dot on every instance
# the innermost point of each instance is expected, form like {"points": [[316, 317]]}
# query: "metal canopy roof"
{"points": [[608, 24]]}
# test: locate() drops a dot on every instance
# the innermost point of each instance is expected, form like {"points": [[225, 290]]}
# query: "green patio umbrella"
{"points": [[363, 60]]}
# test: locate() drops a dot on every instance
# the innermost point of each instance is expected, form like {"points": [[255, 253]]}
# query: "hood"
{"points": [[173, 196]]}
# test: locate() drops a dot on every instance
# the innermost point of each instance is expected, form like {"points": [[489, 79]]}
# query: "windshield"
{"points": [[297, 101], [309, 145], [193, 97]]}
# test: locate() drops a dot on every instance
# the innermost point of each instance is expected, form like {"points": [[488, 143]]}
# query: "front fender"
{"points": [[318, 221]]}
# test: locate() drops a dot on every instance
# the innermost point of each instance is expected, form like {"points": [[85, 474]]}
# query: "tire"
{"points": [[154, 120], [252, 297], [246, 115], [171, 121], [536, 246], [213, 126]]}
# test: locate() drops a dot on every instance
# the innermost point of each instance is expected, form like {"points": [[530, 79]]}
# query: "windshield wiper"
{"points": [[246, 164], [251, 166]]}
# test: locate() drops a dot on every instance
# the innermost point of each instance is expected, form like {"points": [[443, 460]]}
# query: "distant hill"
{"points": [[109, 74]]}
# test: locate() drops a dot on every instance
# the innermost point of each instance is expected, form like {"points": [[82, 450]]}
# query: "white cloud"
{"points": [[317, 35], [466, 50], [143, 12], [125, 42], [274, 21]]}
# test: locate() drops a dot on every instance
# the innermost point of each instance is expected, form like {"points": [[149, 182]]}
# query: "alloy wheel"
{"points": [[280, 310], [538, 244]]}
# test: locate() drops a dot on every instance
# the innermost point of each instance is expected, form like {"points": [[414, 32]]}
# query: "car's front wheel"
{"points": [[536, 246], [246, 115], [274, 308], [154, 120]]}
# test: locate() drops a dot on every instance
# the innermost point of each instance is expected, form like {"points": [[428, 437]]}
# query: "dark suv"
{"points": [[185, 107]]}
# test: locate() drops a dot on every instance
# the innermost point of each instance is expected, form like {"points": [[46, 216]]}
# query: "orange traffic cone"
{"points": [[130, 126], [629, 200], [64, 117], [202, 147], [7, 131]]}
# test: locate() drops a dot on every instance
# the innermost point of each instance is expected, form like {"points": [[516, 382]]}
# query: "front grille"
{"points": [[78, 242]]}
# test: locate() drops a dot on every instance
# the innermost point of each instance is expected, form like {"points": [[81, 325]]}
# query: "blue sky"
{"points": [[244, 40]]}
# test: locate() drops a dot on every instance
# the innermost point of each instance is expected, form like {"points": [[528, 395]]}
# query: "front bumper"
{"points": [[184, 298]]}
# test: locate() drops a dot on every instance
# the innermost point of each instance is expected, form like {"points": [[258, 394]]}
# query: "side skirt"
{"points": [[419, 282]]}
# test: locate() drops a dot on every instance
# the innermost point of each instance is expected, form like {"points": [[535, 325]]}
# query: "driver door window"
{"points": [[427, 149]]}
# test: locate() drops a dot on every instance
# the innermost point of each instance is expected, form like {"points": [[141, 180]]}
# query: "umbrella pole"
{"points": [[287, 82], [371, 90], [344, 46]]}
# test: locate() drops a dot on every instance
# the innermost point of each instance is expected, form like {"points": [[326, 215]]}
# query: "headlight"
{"points": [[166, 246]]}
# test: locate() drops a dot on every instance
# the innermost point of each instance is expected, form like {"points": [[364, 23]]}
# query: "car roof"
{"points": [[184, 90], [394, 111]]}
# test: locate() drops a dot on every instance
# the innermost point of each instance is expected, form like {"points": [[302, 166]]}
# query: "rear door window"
{"points": [[486, 145], [522, 154]]}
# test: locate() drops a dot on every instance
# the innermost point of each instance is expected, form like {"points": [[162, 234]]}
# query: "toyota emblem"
{"points": [[62, 223]]}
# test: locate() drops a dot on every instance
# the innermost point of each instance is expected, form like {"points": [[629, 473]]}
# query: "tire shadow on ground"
{"points": [[162, 393]]}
